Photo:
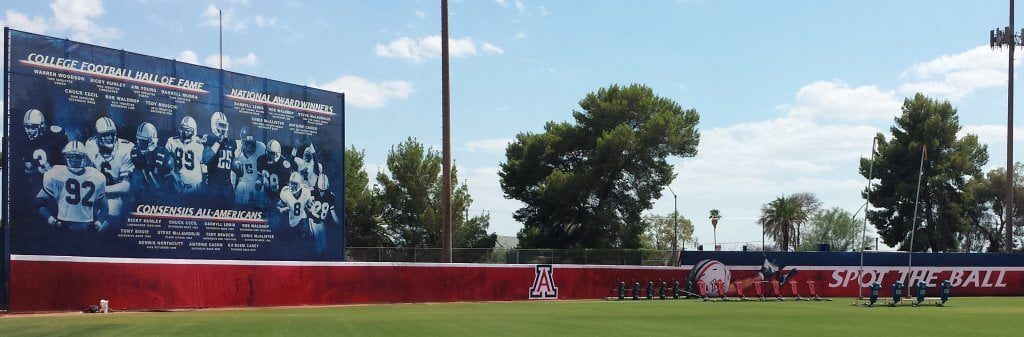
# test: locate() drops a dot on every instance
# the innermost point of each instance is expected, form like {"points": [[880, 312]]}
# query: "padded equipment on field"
{"points": [[873, 295], [758, 290], [944, 295], [795, 288], [814, 292], [897, 288], [702, 291], [777, 289], [739, 290], [720, 285]]}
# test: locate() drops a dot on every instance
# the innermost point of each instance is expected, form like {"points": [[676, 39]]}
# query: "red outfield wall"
{"points": [[56, 283], [72, 283]]}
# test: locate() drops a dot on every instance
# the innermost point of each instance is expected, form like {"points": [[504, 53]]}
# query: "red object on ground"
{"points": [[739, 288], [810, 285], [720, 285]]}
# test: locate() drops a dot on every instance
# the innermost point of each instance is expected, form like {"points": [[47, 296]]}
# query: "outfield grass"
{"points": [[963, 317]]}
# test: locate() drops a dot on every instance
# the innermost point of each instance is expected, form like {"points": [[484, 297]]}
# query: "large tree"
{"points": [[362, 207], [943, 212], [835, 227], [411, 196], [585, 183], [988, 196], [781, 217], [661, 228]]}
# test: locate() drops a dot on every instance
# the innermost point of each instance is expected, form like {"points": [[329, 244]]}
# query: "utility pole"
{"points": [[997, 39], [675, 221], [446, 175]]}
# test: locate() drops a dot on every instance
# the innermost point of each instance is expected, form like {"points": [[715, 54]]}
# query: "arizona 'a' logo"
{"points": [[543, 287]]}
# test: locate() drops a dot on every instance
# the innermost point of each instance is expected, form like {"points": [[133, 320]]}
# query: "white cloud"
{"points": [[420, 14], [429, 47], [261, 22], [492, 49], [502, 3], [520, 6], [740, 167], [363, 93], [212, 60], [520, 35], [76, 18], [188, 56], [543, 11], [957, 75], [214, 17], [485, 187], [16, 20], [994, 135], [786, 146], [496, 145], [838, 101], [991, 134]]}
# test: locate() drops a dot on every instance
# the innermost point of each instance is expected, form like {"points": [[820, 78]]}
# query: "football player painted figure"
{"points": [[274, 169], [77, 189], [321, 209], [294, 201], [188, 155], [153, 178], [219, 159], [249, 182], [112, 156], [43, 149], [309, 166]]}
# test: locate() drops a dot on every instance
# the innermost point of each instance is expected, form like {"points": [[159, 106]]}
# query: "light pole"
{"points": [[998, 38], [675, 221], [446, 165]]}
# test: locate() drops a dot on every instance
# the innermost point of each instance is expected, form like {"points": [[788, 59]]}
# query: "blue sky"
{"points": [[789, 92]]}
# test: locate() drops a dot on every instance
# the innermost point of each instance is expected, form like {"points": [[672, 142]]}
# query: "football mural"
{"points": [[116, 154]]}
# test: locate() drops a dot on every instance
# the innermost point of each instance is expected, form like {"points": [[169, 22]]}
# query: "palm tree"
{"points": [[781, 217], [715, 215]]}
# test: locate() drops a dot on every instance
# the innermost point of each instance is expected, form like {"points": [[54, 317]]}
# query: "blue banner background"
{"points": [[51, 92]]}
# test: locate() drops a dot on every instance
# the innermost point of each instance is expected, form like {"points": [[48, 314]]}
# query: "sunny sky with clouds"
{"points": [[789, 92]]}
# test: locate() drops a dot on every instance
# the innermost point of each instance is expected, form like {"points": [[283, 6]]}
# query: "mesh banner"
{"points": [[117, 154]]}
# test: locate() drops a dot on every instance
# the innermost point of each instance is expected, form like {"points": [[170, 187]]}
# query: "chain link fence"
{"points": [[640, 257]]}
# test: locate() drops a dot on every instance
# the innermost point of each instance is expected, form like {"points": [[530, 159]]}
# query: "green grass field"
{"points": [[962, 318]]}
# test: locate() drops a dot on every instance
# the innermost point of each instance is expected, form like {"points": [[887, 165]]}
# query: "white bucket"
{"points": [[104, 306]]}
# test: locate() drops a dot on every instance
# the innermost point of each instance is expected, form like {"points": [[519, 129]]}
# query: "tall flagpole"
{"points": [[220, 28], [864, 230], [910, 250]]}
